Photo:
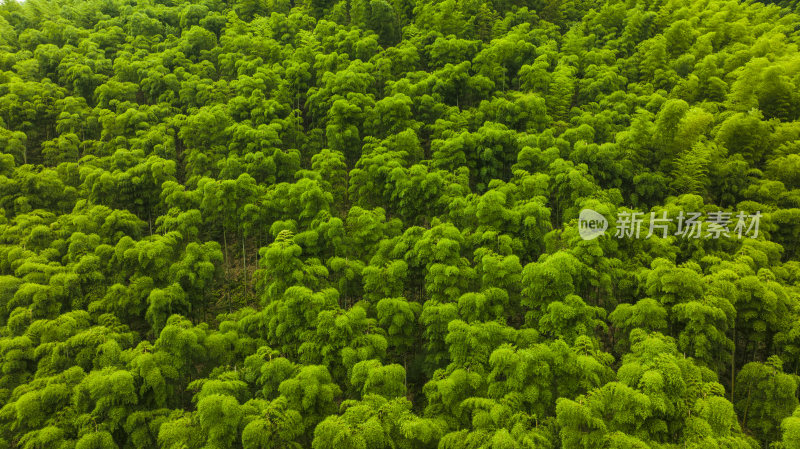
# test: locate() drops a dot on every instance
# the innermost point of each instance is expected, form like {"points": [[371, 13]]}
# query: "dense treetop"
{"points": [[354, 224]]}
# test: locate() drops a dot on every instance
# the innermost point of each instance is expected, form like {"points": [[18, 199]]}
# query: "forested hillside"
{"points": [[355, 224]]}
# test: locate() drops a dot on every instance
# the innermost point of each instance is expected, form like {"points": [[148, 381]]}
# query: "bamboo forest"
{"points": [[399, 224]]}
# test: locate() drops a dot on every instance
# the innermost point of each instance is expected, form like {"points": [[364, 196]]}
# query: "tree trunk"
{"points": [[746, 409], [733, 362], [244, 265], [227, 267], [405, 368], [225, 245]]}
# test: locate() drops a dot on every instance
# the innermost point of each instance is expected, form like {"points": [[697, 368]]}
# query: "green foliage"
{"points": [[330, 224], [765, 396]]}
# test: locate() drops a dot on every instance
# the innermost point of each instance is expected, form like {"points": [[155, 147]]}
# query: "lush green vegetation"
{"points": [[354, 224]]}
